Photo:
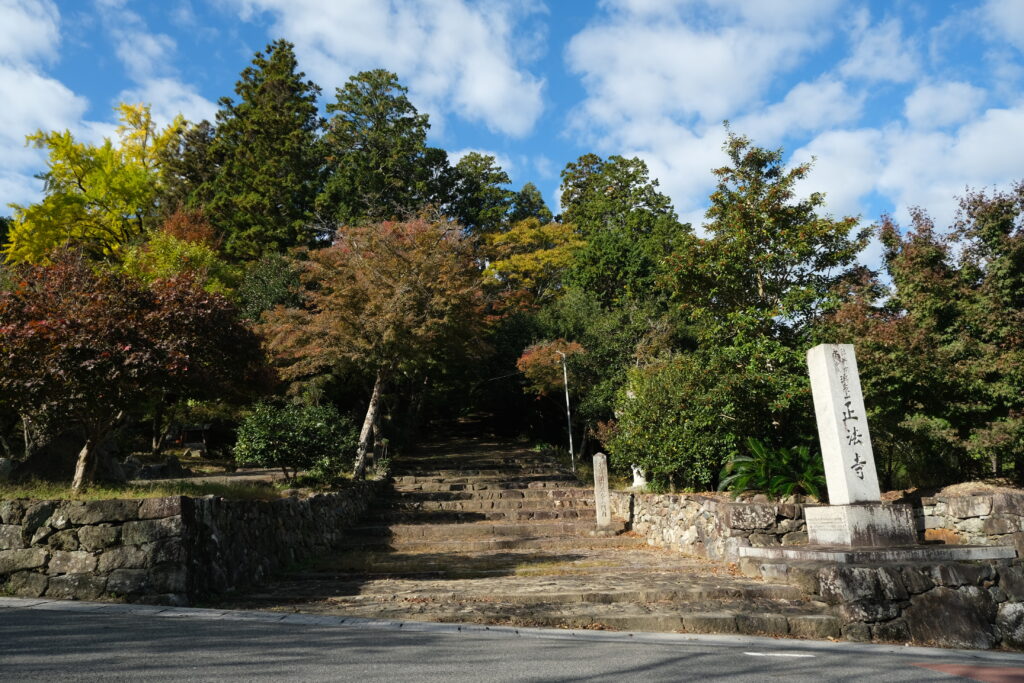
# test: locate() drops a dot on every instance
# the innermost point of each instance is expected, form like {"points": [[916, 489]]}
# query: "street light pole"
{"points": [[568, 410]]}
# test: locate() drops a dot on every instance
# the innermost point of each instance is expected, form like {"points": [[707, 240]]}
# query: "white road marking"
{"points": [[777, 654]]}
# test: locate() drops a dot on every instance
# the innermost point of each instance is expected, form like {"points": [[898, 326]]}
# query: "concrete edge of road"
{"points": [[618, 637]]}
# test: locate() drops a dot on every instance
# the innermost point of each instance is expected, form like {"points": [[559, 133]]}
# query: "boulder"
{"points": [[948, 617]]}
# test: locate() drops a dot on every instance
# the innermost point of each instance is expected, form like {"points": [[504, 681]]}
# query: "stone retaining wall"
{"points": [[706, 526], [166, 550], [986, 519]]}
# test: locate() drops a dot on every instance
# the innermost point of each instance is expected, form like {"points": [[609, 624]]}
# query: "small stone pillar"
{"points": [[602, 500]]}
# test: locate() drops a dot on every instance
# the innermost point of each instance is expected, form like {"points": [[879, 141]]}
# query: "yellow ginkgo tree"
{"points": [[97, 197]]}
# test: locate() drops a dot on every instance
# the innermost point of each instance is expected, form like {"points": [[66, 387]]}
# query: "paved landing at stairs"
{"points": [[481, 531]]}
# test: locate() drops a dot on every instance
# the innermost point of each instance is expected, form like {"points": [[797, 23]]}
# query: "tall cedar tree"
{"points": [[628, 225], [89, 346], [378, 161], [262, 195], [479, 200], [386, 300]]}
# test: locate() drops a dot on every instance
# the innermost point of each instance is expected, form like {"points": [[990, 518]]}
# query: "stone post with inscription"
{"points": [[602, 499], [855, 516]]}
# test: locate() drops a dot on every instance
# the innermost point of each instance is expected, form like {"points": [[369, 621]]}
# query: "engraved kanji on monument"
{"points": [[855, 515], [842, 425]]}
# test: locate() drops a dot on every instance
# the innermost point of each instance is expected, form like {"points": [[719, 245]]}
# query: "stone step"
{"points": [[486, 505], [492, 472], [547, 476], [401, 516], [479, 530], [496, 485], [742, 622], [550, 543], [534, 494]]}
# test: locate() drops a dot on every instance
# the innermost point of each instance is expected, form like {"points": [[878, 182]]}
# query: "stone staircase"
{"points": [[487, 532]]}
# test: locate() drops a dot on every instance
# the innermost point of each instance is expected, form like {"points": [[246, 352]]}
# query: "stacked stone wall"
{"points": [[706, 526], [986, 519], [167, 550]]}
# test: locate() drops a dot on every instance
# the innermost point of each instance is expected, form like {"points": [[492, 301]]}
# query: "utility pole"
{"points": [[568, 410]]}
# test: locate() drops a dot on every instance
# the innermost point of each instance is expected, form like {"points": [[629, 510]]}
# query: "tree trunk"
{"points": [[359, 472], [85, 468], [159, 433]]}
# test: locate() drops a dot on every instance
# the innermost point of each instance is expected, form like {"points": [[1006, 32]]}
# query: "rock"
{"points": [[1011, 580], [96, 511], [131, 467], [819, 626], [750, 516], [1012, 503], [76, 586], [947, 536], [98, 537], [128, 581], [954, 575], [763, 540], [750, 567], [41, 534], [64, 540], [762, 624], [10, 537], [168, 579], [856, 632], [868, 610], [158, 508], [124, 557], [969, 506], [843, 584], [149, 530], [998, 594], [998, 525], [27, 584], [11, 512], [917, 580], [77, 562], [35, 517], [795, 538], [946, 617], [6, 469], [895, 631], [1010, 622], [16, 560]]}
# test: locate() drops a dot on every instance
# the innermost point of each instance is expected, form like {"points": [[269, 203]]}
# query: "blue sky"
{"points": [[902, 103]]}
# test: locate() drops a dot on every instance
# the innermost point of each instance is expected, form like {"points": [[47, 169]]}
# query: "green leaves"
{"points": [[777, 472], [297, 437]]}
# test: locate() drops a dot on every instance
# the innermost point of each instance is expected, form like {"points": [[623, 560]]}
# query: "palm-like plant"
{"points": [[778, 472]]}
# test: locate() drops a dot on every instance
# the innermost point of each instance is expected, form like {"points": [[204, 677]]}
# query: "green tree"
{"points": [[628, 225], [296, 437], [387, 301], [261, 197], [529, 203], [98, 198], [479, 200], [378, 161], [189, 168], [529, 261]]}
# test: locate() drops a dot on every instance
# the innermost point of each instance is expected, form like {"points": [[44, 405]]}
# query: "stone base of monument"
{"points": [[605, 531], [891, 555], [868, 525], [870, 533]]}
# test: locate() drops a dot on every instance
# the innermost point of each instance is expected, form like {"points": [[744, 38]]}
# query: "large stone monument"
{"points": [[602, 498], [856, 526], [856, 516]]}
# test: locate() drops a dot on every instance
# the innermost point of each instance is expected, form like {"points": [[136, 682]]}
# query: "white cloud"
{"points": [[29, 30], [809, 106], [880, 52], [942, 104], [847, 164], [1006, 19], [455, 57], [29, 33], [148, 59]]}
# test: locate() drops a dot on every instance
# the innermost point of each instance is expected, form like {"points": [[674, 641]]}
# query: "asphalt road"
{"points": [[67, 641]]}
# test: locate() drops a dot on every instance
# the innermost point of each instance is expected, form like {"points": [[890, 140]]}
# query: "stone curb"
{"points": [[616, 637]]}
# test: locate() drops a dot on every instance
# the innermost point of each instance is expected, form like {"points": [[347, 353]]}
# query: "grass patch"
{"points": [[45, 490]]}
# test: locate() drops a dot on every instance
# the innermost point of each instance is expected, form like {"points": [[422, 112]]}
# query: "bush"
{"points": [[778, 472], [297, 437]]}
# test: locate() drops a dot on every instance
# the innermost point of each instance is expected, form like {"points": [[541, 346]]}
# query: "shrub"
{"points": [[297, 437], [778, 472]]}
